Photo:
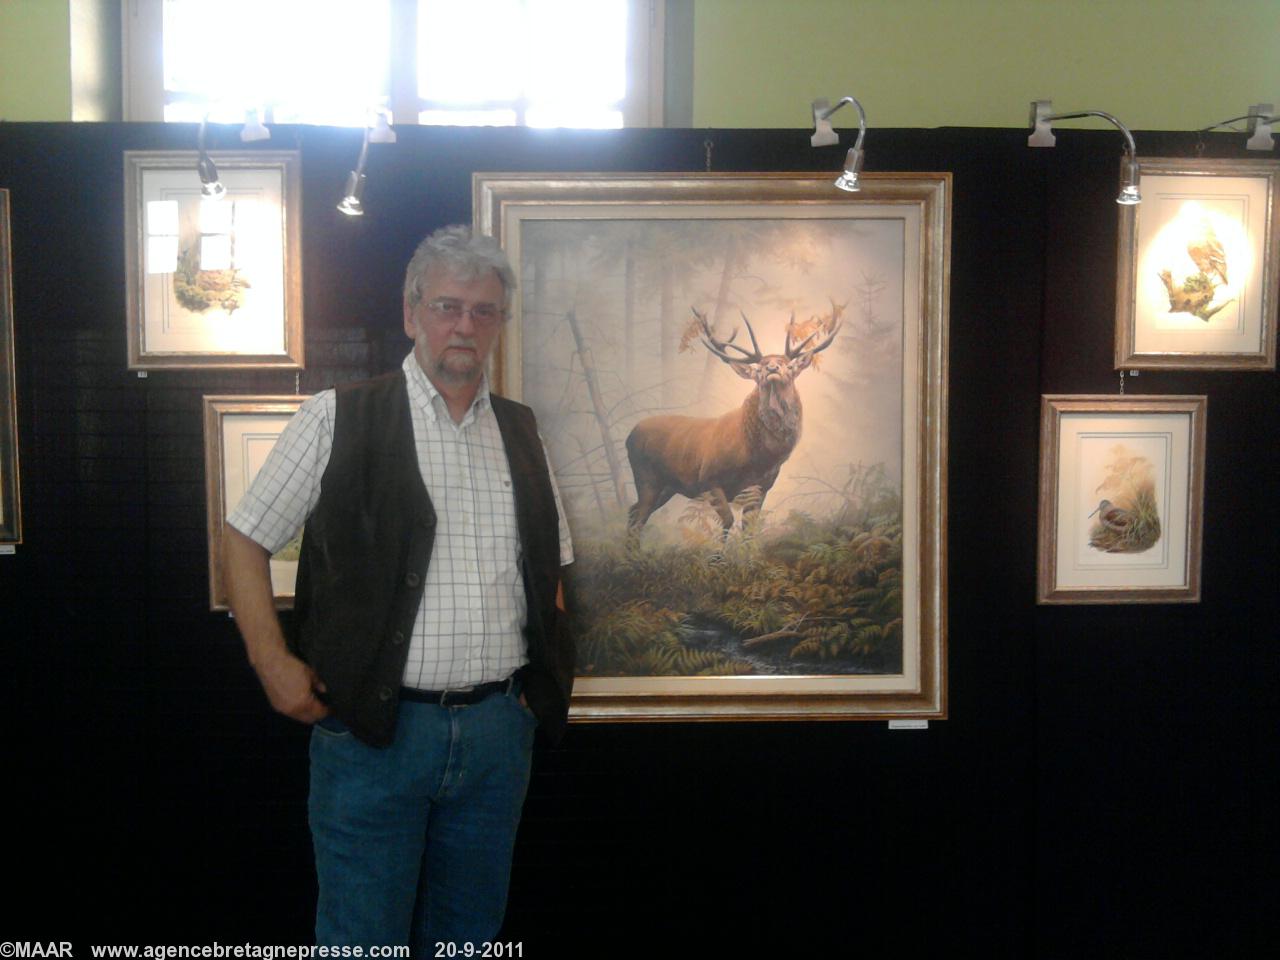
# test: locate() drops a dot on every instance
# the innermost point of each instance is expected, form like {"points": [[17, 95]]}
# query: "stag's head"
{"points": [[774, 374]]}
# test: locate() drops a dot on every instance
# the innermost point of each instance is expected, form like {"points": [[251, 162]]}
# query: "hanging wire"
{"points": [[1261, 139], [1227, 123]]}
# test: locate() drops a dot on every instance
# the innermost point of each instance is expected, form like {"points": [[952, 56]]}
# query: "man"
{"points": [[428, 635]]}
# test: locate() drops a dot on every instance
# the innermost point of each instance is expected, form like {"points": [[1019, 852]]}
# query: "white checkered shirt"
{"points": [[467, 630]]}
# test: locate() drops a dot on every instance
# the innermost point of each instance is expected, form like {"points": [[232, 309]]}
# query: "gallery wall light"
{"points": [[824, 135], [1260, 116], [1042, 118], [378, 131], [210, 186]]}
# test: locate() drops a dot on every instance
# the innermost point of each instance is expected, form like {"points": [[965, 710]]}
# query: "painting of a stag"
{"points": [[721, 526], [722, 457]]}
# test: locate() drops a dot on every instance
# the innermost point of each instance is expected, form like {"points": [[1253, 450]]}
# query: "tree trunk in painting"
{"points": [[669, 330], [591, 479], [722, 299], [629, 313], [598, 408]]}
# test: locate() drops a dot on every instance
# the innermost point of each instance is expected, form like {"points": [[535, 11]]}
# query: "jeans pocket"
{"points": [[331, 726], [524, 710]]}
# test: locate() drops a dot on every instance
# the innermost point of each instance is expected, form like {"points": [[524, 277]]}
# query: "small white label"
{"points": [[142, 374], [8, 549], [908, 724], [1135, 373], [230, 615]]}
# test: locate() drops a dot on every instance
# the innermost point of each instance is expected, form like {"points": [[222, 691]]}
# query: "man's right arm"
{"points": [[290, 684]]}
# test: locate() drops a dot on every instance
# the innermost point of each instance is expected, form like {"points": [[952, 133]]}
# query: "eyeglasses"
{"points": [[451, 311]]}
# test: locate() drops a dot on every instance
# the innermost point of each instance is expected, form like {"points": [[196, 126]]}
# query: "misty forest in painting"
{"points": [[724, 371]]}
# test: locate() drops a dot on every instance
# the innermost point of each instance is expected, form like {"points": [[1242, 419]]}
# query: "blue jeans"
{"points": [[413, 842]]}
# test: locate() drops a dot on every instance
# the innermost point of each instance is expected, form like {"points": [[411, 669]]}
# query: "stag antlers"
{"points": [[718, 347], [803, 348], [792, 351]]}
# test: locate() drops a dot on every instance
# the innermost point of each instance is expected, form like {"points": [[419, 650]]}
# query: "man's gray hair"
{"points": [[464, 255]]}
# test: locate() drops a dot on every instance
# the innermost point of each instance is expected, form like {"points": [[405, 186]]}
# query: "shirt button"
{"points": [[412, 579], [384, 694], [397, 638]]}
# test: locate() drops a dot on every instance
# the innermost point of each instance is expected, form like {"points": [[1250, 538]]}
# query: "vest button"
{"points": [[412, 579], [384, 694], [397, 638]]}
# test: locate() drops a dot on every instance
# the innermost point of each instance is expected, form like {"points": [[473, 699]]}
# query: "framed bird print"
{"points": [[213, 282], [1199, 267], [742, 383], [1121, 498]]}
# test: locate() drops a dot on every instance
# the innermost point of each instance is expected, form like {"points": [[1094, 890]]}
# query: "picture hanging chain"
{"points": [[1122, 383], [708, 145], [297, 383]]}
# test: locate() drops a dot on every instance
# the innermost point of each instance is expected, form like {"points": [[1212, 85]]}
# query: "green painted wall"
{"points": [[1155, 64], [35, 60]]}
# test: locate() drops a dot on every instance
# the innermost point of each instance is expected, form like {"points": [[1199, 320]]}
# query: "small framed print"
{"points": [[213, 283], [10, 510], [1121, 498], [239, 432], [1199, 267]]}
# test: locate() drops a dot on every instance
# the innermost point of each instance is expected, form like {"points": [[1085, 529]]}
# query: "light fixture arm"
{"points": [[352, 203], [1042, 118], [210, 184], [1260, 116], [364, 154], [823, 133]]}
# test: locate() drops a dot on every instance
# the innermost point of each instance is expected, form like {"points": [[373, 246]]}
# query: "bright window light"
{"points": [[546, 63], [308, 61], [579, 63]]}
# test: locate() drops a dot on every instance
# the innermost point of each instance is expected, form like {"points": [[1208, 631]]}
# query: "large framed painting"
{"points": [[742, 383], [239, 432], [213, 283], [1121, 498], [10, 501], [1199, 270]]}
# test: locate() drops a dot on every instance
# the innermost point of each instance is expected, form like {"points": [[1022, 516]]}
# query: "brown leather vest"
{"points": [[367, 545]]}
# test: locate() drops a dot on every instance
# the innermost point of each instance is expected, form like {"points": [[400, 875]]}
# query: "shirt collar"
{"points": [[424, 393]]}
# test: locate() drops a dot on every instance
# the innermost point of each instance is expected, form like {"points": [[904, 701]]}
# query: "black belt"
{"points": [[459, 698]]}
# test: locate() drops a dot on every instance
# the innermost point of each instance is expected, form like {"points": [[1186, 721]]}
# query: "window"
{"points": [[544, 63]]}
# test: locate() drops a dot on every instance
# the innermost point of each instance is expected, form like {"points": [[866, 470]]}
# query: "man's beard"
{"points": [[448, 372]]}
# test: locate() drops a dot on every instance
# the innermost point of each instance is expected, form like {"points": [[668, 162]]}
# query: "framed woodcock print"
{"points": [[213, 283], [1121, 498], [1199, 272], [239, 432], [742, 381]]}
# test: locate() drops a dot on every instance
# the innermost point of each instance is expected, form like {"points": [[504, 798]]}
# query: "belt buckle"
{"points": [[444, 694]]}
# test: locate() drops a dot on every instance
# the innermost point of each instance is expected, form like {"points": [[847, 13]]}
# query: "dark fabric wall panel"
{"points": [[1105, 783]]}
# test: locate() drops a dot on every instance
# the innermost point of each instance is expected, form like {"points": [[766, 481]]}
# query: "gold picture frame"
{"points": [[614, 270], [213, 284], [239, 432], [10, 492], [1121, 499], [1199, 267]]}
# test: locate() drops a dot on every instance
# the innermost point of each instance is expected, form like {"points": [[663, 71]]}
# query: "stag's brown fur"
{"points": [[723, 456]]}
